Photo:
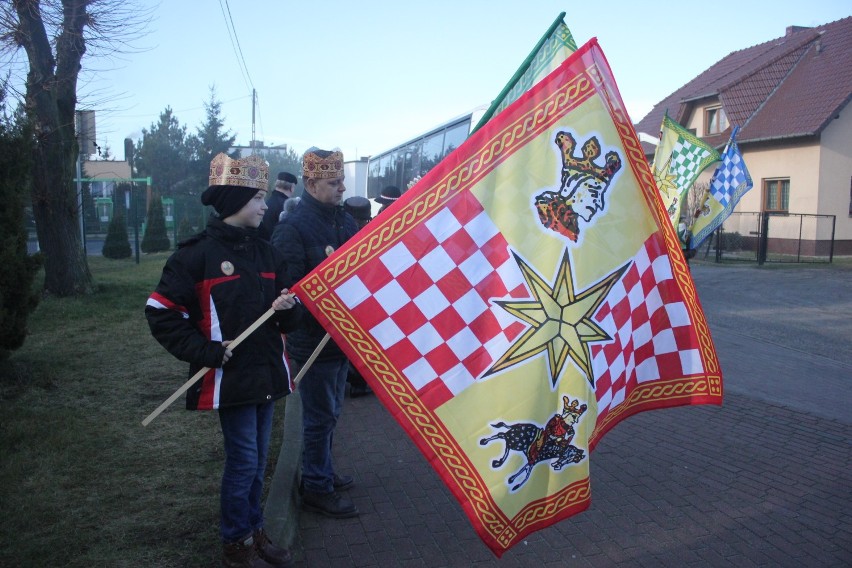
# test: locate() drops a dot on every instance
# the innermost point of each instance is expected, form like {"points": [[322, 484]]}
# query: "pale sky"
{"points": [[367, 76]]}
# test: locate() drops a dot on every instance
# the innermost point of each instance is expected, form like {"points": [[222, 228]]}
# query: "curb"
{"points": [[281, 512]]}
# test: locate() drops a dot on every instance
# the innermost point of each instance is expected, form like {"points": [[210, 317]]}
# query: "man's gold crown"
{"points": [[577, 168], [317, 167]]}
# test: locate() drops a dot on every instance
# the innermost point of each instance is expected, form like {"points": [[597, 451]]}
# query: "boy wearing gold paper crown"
{"points": [[314, 229], [212, 288]]}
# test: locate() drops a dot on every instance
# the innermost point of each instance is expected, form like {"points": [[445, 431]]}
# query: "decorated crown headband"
{"points": [[586, 166], [315, 167], [252, 172]]}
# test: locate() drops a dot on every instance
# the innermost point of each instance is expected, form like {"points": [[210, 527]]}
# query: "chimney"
{"points": [[818, 43], [795, 29]]}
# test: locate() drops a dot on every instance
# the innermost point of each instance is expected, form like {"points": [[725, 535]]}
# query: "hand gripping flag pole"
{"points": [[166, 403], [203, 370], [232, 345]]}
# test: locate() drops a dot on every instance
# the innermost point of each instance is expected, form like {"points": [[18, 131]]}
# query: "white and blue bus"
{"points": [[401, 164]]}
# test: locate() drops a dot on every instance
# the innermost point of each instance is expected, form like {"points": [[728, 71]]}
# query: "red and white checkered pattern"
{"points": [[653, 337], [427, 302]]}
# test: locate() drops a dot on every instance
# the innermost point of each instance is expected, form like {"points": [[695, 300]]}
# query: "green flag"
{"points": [[551, 50], [678, 161]]}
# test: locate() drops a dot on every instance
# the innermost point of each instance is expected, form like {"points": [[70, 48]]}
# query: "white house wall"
{"points": [[836, 172]]}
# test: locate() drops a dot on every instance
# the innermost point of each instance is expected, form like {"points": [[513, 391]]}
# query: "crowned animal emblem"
{"points": [[541, 443], [582, 189]]}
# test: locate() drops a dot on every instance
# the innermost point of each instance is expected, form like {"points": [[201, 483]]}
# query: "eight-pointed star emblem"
{"points": [[560, 320]]}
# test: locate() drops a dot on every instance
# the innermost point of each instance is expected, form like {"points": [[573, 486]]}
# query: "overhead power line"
{"points": [[235, 43]]}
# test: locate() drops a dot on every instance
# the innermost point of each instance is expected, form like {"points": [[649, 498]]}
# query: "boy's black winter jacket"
{"points": [[212, 288]]}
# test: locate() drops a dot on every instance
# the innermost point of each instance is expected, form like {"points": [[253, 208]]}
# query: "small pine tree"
{"points": [[117, 243], [185, 229], [156, 239]]}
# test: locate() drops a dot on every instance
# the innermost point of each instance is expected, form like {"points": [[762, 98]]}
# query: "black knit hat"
{"points": [[227, 199], [286, 176]]}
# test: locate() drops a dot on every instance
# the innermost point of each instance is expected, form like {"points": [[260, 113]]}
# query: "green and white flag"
{"points": [[555, 46], [679, 160]]}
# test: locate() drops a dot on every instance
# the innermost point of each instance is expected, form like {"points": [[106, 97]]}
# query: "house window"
{"points": [[715, 120], [776, 195]]}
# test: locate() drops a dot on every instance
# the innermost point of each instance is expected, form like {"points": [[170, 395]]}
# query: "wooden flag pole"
{"points": [[311, 359], [201, 372], [329, 250]]}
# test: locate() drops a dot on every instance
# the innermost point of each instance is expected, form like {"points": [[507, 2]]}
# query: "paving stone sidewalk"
{"points": [[764, 480]]}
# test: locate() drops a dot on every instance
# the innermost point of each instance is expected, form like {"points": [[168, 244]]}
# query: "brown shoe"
{"points": [[242, 554], [271, 553]]}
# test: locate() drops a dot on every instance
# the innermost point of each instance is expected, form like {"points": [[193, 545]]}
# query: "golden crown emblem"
{"points": [[316, 167], [577, 168], [574, 408], [252, 172]]}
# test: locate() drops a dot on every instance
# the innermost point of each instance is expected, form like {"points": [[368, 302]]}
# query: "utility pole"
{"points": [[253, 101], [86, 132]]}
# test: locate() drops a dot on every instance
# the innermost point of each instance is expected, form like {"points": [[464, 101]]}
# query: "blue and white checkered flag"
{"points": [[730, 182], [730, 174]]}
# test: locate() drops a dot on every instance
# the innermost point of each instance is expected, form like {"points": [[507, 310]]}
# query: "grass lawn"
{"points": [[82, 482]]}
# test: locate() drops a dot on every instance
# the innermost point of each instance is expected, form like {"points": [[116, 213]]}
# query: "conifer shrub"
{"points": [[185, 229], [156, 239], [117, 243], [18, 298]]}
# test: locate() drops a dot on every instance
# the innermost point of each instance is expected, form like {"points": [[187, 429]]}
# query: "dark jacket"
{"points": [[213, 288], [274, 204], [304, 236]]}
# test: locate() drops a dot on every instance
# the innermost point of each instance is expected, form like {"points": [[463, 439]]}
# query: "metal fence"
{"points": [[773, 237]]}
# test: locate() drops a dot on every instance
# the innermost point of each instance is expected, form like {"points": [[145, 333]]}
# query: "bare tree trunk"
{"points": [[56, 212], [51, 101]]}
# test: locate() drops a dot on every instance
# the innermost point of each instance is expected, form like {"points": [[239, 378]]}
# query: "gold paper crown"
{"points": [[330, 167], [574, 407], [252, 172], [576, 168]]}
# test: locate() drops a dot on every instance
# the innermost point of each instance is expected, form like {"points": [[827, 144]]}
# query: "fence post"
{"points": [[719, 235], [762, 238], [831, 247], [799, 247]]}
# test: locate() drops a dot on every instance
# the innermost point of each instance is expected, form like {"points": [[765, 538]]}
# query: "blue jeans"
{"points": [[246, 430], [321, 389]]}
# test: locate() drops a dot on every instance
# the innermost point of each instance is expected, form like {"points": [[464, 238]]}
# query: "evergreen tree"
{"points": [[164, 154], [117, 243], [185, 229], [17, 297], [210, 139], [156, 239]]}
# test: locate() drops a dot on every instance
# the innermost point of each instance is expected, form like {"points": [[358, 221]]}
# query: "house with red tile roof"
{"points": [[790, 97]]}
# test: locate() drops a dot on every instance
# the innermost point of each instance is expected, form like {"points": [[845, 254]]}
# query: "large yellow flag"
{"points": [[527, 295]]}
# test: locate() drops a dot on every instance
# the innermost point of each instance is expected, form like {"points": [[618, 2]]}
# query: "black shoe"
{"points": [[332, 505], [343, 482]]}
